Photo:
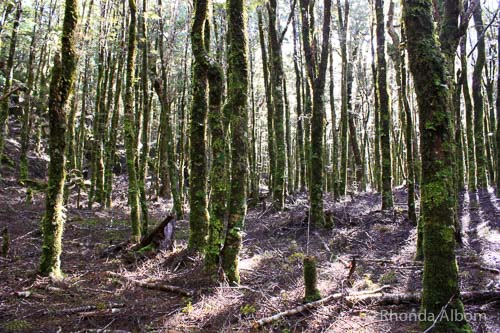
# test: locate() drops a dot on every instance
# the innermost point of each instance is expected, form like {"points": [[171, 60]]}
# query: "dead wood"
{"points": [[308, 306], [153, 285], [374, 297], [162, 236], [86, 309]]}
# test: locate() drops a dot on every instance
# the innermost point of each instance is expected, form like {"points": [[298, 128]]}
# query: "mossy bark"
{"points": [[316, 66], [61, 85], [385, 110], [300, 171], [146, 116], [398, 56], [334, 181], [497, 106], [427, 64], [129, 122], [469, 119], [477, 96], [377, 167], [310, 280], [112, 136], [198, 217], [236, 103], [276, 83], [269, 103], [9, 71], [218, 175], [343, 24], [26, 121]]}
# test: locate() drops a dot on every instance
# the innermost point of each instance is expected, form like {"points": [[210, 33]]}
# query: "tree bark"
{"points": [[427, 65], [61, 85]]}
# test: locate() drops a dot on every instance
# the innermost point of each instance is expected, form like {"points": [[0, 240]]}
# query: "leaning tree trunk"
{"points": [[237, 92], [427, 65], [63, 77], [385, 111]]}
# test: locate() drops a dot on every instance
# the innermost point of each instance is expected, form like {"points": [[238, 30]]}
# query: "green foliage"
{"points": [[16, 326], [388, 277], [248, 309]]}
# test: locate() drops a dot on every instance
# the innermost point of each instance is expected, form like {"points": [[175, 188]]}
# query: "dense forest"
{"points": [[258, 165]]}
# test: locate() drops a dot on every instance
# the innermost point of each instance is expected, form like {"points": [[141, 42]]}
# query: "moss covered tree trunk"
{"points": [[237, 83], [129, 132], [9, 72], [427, 65], [300, 171], [477, 96], [398, 56], [497, 106], [343, 24], [167, 144], [146, 116], [269, 104], [335, 141], [316, 66], [276, 83], [63, 77], [385, 110], [469, 119], [26, 122], [198, 217]]}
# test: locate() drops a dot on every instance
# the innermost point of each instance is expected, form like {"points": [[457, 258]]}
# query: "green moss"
{"points": [[310, 280]]}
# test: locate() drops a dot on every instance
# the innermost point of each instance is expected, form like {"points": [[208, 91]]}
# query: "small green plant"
{"points": [[188, 306], [388, 277], [296, 257], [248, 309], [16, 326]]}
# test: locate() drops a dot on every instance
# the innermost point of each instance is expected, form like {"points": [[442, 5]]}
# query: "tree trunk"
{"points": [[129, 124], [316, 66], [198, 218], [477, 96], [237, 104], [9, 70], [61, 85], [427, 65], [385, 111]]}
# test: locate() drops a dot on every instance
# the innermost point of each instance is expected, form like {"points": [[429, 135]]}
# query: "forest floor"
{"points": [[90, 300]]}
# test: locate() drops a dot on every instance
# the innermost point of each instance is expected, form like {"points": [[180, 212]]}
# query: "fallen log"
{"points": [[374, 297], [307, 306], [153, 285], [86, 309]]}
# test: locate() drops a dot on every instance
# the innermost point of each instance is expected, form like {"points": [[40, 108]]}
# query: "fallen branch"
{"points": [[312, 305], [374, 297], [85, 309], [153, 286]]}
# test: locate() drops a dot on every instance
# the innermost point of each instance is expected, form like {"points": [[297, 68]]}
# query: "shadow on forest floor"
{"points": [[271, 268]]}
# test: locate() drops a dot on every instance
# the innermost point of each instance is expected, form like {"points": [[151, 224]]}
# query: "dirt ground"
{"points": [[90, 300]]}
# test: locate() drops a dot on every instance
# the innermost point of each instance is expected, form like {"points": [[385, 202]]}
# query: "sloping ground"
{"points": [[271, 265]]}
